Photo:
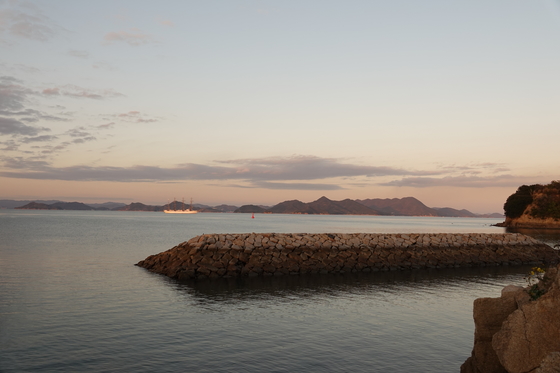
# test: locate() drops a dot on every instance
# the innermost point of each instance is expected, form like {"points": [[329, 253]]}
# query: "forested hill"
{"points": [[534, 206]]}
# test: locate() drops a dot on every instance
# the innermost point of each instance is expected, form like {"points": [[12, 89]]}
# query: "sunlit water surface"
{"points": [[71, 299]]}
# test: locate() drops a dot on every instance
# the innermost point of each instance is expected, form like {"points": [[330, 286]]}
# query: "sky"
{"points": [[456, 103]]}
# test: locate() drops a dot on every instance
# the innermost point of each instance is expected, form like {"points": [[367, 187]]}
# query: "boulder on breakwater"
{"points": [[267, 254]]}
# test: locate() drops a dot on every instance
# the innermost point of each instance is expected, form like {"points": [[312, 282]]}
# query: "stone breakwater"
{"points": [[267, 254]]}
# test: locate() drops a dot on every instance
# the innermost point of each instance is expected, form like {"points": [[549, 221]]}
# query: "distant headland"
{"points": [[408, 206], [534, 206]]}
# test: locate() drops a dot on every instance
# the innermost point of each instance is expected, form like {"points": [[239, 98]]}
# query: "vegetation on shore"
{"points": [[537, 201]]}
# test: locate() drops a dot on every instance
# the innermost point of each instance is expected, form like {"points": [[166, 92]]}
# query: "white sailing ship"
{"points": [[182, 210]]}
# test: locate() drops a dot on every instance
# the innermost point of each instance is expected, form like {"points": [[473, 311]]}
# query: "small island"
{"points": [[533, 206]]}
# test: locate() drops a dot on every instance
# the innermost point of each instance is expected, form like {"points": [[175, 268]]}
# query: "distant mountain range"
{"points": [[56, 206], [323, 206], [408, 206], [107, 206]]}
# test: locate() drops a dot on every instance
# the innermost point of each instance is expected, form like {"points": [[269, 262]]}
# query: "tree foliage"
{"points": [[517, 203], [545, 200]]}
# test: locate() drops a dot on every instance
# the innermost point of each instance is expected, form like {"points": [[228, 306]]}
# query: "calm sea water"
{"points": [[71, 300]]}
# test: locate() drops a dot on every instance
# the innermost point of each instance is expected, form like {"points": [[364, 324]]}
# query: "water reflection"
{"points": [[244, 289]]}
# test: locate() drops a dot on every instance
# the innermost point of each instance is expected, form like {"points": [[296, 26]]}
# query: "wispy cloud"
{"points": [[17, 117], [18, 67], [134, 37], [475, 168], [460, 181], [10, 146], [135, 117], [15, 98], [13, 127], [78, 53], [17, 162], [70, 90], [296, 186], [53, 149], [104, 66], [13, 95], [51, 91], [271, 173], [165, 22], [78, 132], [25, 20], [80, 135], [31, 115], [106, 126], [300, 167], [42, 138], [84, 139]]}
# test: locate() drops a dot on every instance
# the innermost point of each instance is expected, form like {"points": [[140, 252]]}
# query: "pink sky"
{"points": [[244, 102]]}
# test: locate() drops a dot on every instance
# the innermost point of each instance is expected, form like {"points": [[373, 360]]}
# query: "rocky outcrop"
{"points": [[517, 334], [528, 221], [229, 255], [534, 206]]}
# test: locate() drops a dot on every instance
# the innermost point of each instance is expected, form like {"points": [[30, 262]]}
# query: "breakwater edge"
{"points": [[276, 254]]}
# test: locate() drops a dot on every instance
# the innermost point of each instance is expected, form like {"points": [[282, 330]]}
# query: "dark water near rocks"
{"points": [[72, 300]]}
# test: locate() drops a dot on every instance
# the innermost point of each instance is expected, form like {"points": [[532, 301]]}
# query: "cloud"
{"points": [[272, 173], [302, 167], [287, 173], [80, 135], [13, 95], [42, 138], [136, 117], [104, 65], [78, 53], [20, 162], [130, 114], [74, 91], [106, 126], [31, 116], [10, 145], [18, 67], [25, 20], [51, 91], [78, 132], [166, 22], [460, 181], [84, 139], [476, 168], [13, 127], [296, 186], [133, 38], [47, 150]]}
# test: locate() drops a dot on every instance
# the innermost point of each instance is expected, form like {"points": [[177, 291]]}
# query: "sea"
{"points": [[72, 299]]}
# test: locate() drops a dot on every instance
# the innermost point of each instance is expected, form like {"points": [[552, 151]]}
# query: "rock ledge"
{"points": [[515, 334]]}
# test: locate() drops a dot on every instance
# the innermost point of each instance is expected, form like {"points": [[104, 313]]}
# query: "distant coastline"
{"points": [[408, 206]]}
